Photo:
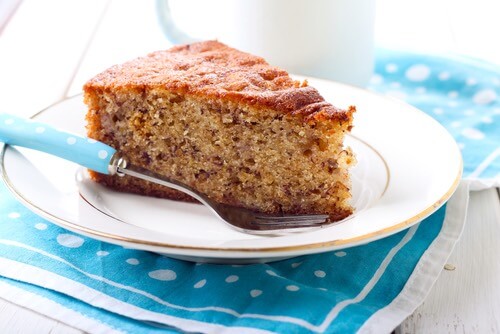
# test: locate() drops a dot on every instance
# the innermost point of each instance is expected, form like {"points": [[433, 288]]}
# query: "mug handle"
{"points": [[170, 29]]}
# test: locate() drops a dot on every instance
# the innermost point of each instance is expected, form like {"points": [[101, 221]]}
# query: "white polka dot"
{"points": [[319, 273], [163, 275], [376, 79], [14, 215], [469, 112], [69, 240], [133, 261], [496, 111], [396, 94], [102, 253], [232, 279], [395, 84], [420, 90], [102, 154], [456, 124], [438, 111], [40, 129], [495, 81], [255, 293], [71, 140], [200, 284], [485, 96], [453, 94], [471, 82], [340, 254], [452, 104], [391, 68], [9, 121], [41, 226], [91, 141], [271, 273], [487, 120], [296, 264], [472, 133], [418, 72], [292, 288], [443, 76]]}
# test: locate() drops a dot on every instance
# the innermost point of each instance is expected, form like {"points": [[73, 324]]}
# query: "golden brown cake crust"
{"points": [[214, 70]]}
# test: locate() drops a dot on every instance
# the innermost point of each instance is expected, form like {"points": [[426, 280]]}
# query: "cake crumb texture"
{"points": [[227, 124]]}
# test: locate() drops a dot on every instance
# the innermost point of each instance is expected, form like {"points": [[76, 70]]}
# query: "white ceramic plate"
{"points": [[408, 166]]}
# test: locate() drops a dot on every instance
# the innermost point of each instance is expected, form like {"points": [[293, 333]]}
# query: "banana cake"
{"points": [[226, 123]]}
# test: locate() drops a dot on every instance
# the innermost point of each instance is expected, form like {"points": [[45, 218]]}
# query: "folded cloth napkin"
{"points": [[102, 288]]}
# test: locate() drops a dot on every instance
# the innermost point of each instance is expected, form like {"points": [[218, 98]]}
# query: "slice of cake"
{"points": [[226, 123]]}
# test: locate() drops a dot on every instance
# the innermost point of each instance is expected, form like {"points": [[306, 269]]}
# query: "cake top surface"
{"points": [[214, 70]]}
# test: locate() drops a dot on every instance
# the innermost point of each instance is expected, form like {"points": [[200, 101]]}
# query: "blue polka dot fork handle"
{"points": [[102, 158], [18, 131]]}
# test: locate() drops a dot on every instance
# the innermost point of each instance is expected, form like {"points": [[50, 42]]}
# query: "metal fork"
{"points": [[104, 159], [242, 219]]}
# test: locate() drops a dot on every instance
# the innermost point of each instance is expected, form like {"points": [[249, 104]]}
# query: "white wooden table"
{"points": [[49, 49]]}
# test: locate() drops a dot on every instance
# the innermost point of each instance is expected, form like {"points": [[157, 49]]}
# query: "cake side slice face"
{"points": [[227, 124]]}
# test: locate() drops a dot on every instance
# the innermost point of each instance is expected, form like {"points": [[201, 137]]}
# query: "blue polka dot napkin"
{"points": [[462, 94], [104, 288]]}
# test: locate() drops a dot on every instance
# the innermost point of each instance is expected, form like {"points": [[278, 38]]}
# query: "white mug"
{"points": [[331, 39]]}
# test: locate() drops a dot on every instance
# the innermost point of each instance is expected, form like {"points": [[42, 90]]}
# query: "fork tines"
{"points": [[305, 220]]}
